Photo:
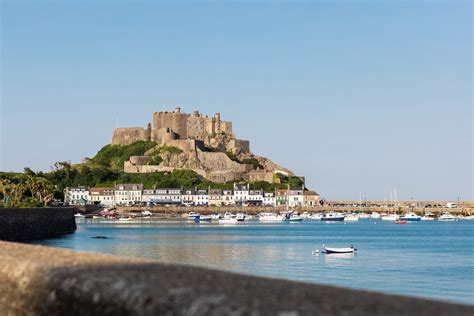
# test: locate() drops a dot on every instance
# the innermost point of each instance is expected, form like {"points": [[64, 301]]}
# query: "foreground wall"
{"points": [[18, 224], [38, 280]]}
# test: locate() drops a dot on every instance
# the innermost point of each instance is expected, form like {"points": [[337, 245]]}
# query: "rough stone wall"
{"points": [[216, 161], [18, 224], [127, 136], [175, 121], [238, 146]]}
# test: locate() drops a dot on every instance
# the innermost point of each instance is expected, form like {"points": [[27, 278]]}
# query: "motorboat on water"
{"points": [[216, 217], [390, 217], [192, 216], [203, 218], [375, 215], [428, 217], [228, 221], [400, 222], [290, 217], [240, 217], [333, 217], [410, 217], [125, 219], [270, 217], [79, 215], [351, 217], [316, 216], [447, 216], [331, 250]]}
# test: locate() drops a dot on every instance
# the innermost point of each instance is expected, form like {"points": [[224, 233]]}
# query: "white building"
{"points": [[76, 195], [162, 196], [296, 197], [187, 196], [102, 196], [128, 193], [201, 197], [241, 193], [269, 199], [255, 197], [227, 197]]}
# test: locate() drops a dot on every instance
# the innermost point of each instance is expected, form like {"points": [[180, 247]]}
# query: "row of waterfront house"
{"points": [[135, 194]]}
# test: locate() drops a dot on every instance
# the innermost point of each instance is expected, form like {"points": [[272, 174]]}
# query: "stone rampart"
{"points": [[38, 280], [129, 135], [18, 224]]}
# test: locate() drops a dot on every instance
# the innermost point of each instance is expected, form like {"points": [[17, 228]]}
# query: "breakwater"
{"points": [[20, 224], [39, 280], [253, 210]]}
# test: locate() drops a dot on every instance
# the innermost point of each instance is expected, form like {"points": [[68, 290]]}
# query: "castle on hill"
{"points": [[204, 143]]}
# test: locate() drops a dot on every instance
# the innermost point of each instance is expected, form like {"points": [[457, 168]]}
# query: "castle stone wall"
{"points": [[129, 135]]}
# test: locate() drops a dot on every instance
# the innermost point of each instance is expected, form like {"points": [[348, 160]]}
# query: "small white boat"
{"points": [[292, 218], [270, 217], [228, 221], [446, 216], [240, 217], [146, 214], [192, 216], [351, 218], [390, 217], [428, 217], [127, 219], [203, 218], [216, 217], [330, 250], [468, 217], [316, 216], [79, 215], [375, 215]]}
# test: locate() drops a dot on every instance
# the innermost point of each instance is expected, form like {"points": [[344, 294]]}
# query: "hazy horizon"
{"points": [[360, 98]]}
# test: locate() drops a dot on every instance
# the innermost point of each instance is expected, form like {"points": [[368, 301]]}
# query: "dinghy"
{"points": [[350, 249]]}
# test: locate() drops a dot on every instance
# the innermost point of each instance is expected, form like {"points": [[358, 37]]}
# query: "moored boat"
{"points": [[228, 221], [192, 216], [332, 217], [428, 217], [289, 217], [351, 218], [410, 217], [270, 217], [447, 216], [400, 222], [390, 217], [332, 250]]}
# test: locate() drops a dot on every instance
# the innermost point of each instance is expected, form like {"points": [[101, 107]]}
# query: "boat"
{"points": [[216, 217], [240, 217], [390, 217], [401, 222], [270, 217], [125, 218], [447, 216], [428, 217], [203, 218], [228, 221], [332, 217], [468, 217], [192, 216], [331, 250], [289, 217], [146, 214], [79, 215], [375, 215], [351, 218], [316, 216], [410, 217]]}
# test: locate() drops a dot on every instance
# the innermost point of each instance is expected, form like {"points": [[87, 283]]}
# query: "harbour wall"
{"points": [[38, 280], [206, 210], [19, 224]]}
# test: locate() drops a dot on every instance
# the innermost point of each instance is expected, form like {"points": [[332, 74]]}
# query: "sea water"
{"points": [[427, 259]]}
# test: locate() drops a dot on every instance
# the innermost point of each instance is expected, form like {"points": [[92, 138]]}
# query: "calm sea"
{"points": [[428, 259]]}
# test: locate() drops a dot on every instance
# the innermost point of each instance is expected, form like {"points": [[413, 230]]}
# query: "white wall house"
{"points": [[162, 196], [128, 193], [255, 197], [102, 196], [241, 193], [296, 197], [227, 197], [76, 195], [269, 199], [201, 198], [187, 196]]}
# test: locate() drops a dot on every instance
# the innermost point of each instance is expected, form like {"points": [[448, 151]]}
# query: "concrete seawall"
{"points": [[38, 280], [18, 224]]}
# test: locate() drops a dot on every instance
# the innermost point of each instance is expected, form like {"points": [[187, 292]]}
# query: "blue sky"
{"points": [[361, 97]]}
